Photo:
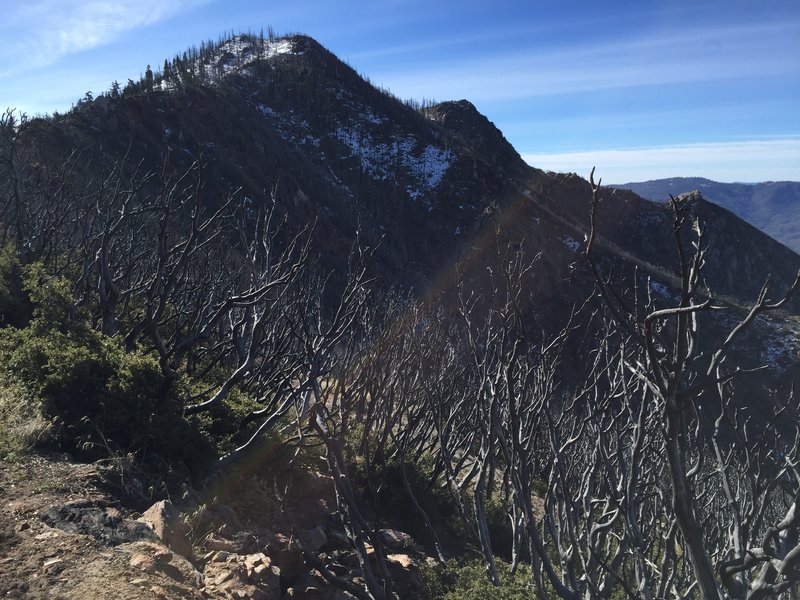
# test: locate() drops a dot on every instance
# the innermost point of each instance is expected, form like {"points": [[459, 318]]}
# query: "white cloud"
{"points": [[743, 161], [40, 32]]}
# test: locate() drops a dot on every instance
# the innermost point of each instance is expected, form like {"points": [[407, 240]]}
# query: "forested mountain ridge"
{"points": [[313, 314], [772, 206], [288, 113], [337, 148]]}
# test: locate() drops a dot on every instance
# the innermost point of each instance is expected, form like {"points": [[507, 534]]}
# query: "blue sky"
{"points": [[639, 89]]}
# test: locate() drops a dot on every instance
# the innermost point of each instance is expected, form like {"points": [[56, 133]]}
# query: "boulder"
{"points": [[143, 561], [243, 576], [394, 539], [407, 578], [150, 557], [227, 516], [166, 522]]}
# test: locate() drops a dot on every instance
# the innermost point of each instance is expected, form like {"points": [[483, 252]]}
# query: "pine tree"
{"points": [[130, 88], [148, 79]]}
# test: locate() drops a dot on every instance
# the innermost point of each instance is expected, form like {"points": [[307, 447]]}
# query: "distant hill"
{"points": [[773, 206]]}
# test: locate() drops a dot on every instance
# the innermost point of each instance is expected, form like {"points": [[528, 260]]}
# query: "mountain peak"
{"points": [[243, 54], [462, 120]]}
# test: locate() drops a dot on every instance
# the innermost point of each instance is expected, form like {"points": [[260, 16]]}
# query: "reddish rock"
{"points": [[145, 562], [217, 542], [407, 577], [165, 520], [250, 576], [404, 560]]}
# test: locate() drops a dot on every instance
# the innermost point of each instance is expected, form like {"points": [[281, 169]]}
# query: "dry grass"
{"points": [[22, 423]]}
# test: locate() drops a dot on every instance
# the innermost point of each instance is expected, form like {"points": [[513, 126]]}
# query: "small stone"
{"points": [[266, 577], [23, 526], [162, 555], [145, 562], [165, 520], [221, 556], [248, 592], [222, 577], [138, 581], [257, 572], [215, 542], [404, 560], [394, 539], [251, 560]]}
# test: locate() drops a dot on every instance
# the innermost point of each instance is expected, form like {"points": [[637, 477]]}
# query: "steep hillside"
{"points": [[773, 206]]}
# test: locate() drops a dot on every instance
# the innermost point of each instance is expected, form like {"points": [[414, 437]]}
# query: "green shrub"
{"points": [[469, 581], [52, 302], [221, 425], [99, 399], [14, 305], [396, 507]]}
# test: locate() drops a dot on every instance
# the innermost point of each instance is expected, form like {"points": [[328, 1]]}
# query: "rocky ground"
{"points": [[72, 530]]}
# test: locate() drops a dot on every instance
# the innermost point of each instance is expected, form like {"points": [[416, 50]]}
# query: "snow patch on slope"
{"points": [[290, 126], [571, 243], [661, 290], [782, 344], [240, 52], [426, 165]]}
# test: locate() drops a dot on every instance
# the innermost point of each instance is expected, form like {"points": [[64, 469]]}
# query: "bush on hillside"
{"points": [[97, 398], [14, 306], [468, 581]]}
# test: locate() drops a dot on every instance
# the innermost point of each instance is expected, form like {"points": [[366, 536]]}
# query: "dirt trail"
{"points": [[40, 561]]}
